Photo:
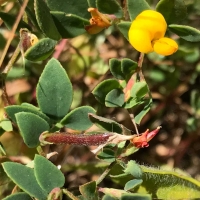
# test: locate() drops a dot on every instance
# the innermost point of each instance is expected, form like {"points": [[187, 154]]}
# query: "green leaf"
{"points": [[195, 100], [130, 185], [144, 111], [45, 20], [54, 90], [124, 28], [107, 155], [173, 11], [88, 190], [135, 197], [24, 177], [133, 169], [49, 178], [31, 127], [115, 98], [9, 21], [41, 50], [105, 123], [188, 33], [70, 7], [128, 67], [78, 119], [135, 7], [139, 89], [2, 153], [6, 125], [104, 88], [163, 184], [110, 7], [115, 68], [69, 25], [30, 12], [14, 109], [18, 196], [108, 197]]}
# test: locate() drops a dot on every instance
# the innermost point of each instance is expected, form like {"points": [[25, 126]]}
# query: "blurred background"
{"points": [[174, 82]]}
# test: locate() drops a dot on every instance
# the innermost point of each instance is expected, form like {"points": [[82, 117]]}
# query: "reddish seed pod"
{"points": [[78, 139]]}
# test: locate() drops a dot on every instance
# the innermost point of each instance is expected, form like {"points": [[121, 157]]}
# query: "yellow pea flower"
{"points": [[98, 21], [147, 31]]}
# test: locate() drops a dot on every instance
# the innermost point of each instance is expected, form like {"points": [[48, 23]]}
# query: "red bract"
{"points": [[142, 140]]}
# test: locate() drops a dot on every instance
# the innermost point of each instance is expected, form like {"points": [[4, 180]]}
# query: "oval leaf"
{"points": [[169, 184], [70, 7], [49, 178], [69, 25], [128, 67], [18, 196], [14, 109], [41, 50], [173, 10], [110, 7], [78, 119], [31, 127], [88, 190], [115, 68], [188, 33], [144, 111], [139, 89], [124, 28], [24, 177], [133, 169], [105, 123], [115, 98], [45, 20], [54, 90], [132, 184], [135, 7], [104, 88], [107, 155]]}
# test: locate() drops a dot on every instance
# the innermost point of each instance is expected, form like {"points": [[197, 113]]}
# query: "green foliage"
{"points": [[105, 123], [88, 190], [173, 11], [31, 127], [51, 174], [135, 7], [78, 119], [110, 7], [69, 25], [123, 27], [54, 91], [9, 21], [127, 91], [25, 179], [14, 109], [45, 20], [18, 196], [41, 50], [186, 32], [104, 88]]}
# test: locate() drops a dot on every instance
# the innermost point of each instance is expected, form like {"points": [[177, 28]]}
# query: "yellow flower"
{"points": [[147, 31], [98, 21]]}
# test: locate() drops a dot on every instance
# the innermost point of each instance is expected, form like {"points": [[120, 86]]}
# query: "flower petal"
{"points": [[165, 46], [93, 29]]}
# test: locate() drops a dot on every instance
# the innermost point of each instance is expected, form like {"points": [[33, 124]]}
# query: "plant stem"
{"points": [[105, 173], [12, 33]]}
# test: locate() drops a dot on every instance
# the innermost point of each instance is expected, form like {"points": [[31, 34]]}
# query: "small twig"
{"points": [[12, 33], [40, 151], [105, 173], [133, 121], [12, 60]]}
